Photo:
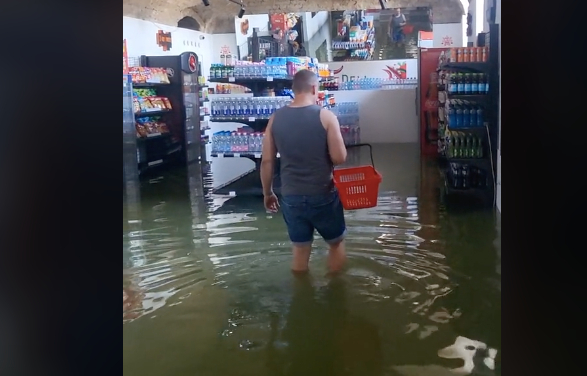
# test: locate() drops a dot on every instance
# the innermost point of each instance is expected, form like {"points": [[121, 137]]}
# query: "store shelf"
{"points": [[468, 97], [474, 67], [244, 81], [239, 119], [239, 155], [157, 112], [148, 84], [485, 194], [470, 161], [154, 136]]}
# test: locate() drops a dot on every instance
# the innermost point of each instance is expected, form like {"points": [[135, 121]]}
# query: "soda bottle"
{"points": [[473, 116], [460, 84], [465, 174], [458, 117], [479, 152], [480, 119], [467, 84], [474, 83], [453, 84], [466, 117]]}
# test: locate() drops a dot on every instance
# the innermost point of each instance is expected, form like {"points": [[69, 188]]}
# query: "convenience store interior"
{"points": [[206, 282]]}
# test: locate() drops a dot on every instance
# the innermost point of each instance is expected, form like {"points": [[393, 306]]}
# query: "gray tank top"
{"points": [[300, 138]]}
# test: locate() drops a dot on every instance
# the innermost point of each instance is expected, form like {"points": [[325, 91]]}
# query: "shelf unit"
{"points": [[488, 133], [249, 184]]}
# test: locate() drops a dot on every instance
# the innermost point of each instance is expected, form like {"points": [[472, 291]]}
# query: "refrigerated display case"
{"points": [[129, 139]]}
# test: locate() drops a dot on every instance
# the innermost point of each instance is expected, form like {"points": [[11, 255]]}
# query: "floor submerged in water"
{"points": [[207, 289]]}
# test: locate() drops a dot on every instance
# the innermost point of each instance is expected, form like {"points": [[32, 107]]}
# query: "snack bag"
{"points": [[151, 127], [136, 107], [141, 131], [166, 102], [162, 127], [157, 102], [145, 104]]}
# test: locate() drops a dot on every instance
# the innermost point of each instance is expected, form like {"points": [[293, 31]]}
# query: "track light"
{"points": [[382, 3], [241, 12], [206, 2]]}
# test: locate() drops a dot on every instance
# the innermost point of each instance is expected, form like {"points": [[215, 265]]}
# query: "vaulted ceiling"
{"points": [[218, 17]]}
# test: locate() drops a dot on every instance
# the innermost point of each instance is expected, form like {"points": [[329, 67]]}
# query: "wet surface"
{"points": [[207, 288]]}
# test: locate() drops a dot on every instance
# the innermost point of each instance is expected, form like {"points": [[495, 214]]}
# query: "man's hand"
{"points": [[271, 202]]}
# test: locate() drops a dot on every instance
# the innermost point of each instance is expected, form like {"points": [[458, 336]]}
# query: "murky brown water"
{"points": [[207, 288]]}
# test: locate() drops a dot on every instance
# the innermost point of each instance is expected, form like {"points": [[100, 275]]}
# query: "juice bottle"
{"points": [[479, 53], [484, 53], [466, 55], [459, 55], [453, 55]]}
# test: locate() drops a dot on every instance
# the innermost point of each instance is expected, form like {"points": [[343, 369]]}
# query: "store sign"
{"points": [[124, 58], [164, 40], [385, 69], [189, 62]]}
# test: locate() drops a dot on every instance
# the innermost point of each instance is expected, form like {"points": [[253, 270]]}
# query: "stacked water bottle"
{"points": [[250, 108], [379, 83], [272, 67], [348, 117], [240, 141]]}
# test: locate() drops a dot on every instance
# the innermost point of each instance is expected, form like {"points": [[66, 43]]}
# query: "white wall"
{"points": [[385, 116], [140, 38], [477, 10], [219, 42], [313, 24], [449, 34]]}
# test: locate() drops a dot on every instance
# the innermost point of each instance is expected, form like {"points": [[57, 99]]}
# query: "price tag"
{"points": [[159, 161], [154, 134], [231, 79], [258, 155], [269, 79], [220, 155], [237, 155], [251, 118], [232, 194]]}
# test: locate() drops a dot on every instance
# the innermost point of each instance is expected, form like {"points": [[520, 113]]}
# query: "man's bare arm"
{"points": [[336, 147], [268, 160]]}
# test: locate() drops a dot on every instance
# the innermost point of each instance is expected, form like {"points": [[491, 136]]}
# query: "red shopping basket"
{"points": [[358, 187]]}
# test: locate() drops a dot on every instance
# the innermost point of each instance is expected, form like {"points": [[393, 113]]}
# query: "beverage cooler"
{"points": [[183, 119]]}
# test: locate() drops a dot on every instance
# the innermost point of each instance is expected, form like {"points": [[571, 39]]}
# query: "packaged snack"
{"points": [[145, 104], [162, 127], [136, 107], [157, 102], [141, 131], [166, 102], [151, 127], [160, 75]]}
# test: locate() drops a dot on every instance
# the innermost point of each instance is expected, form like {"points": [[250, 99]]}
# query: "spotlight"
{"points": [[382, 3], [241, 12], [206, 2]]}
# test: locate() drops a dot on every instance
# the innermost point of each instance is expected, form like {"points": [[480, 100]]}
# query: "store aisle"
{"points": [[207, 289]]}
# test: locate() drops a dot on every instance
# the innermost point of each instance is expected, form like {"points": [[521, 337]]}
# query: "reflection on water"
{"points": [[207, 288]]}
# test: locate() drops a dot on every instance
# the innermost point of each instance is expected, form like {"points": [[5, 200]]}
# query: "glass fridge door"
{"points": [[130, 171], [192, 117]]}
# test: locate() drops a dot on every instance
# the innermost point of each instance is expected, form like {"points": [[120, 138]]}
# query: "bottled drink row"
{"points": [[465, 55], [241, 141], [463, 145], [258, 107], [378, 83], [464, 114], [348, 118], [464, 176], [276, 67], [467, 83]]}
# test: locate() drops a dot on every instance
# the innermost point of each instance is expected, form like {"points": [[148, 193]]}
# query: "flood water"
{"points": [[207, 289]]}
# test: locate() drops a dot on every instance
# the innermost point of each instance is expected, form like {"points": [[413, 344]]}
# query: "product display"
{"points": [[378, 84], [150, 127], [272, 67], [466, 83], [464, 176], [457, 144], [463, 114], [242, 140], [142, 75], [355, 40], [146, 100], [348, 118], [255, 107], [468, 54]]}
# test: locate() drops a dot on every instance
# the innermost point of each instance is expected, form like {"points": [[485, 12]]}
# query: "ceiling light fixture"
{"points": [[241, 12], [206, 2]]}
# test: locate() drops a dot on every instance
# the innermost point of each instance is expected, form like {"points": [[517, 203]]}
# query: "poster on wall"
{"points": [[385, 69], [124, 58], [164, 40]]}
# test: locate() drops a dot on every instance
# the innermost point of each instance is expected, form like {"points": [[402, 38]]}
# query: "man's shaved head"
{"points": [[303, 82]]}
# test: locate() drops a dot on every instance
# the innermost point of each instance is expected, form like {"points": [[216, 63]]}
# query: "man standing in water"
{"points": [[396, 27], [310, 144]]}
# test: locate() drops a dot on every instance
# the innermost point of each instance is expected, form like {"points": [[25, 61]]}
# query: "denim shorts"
{"points": [[304, 214]]}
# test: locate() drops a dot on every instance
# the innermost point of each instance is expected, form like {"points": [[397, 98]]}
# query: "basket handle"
{"points": [[370, 150]]}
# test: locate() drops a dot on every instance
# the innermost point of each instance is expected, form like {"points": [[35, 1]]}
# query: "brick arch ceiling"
{"points": [[219, 16]]}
